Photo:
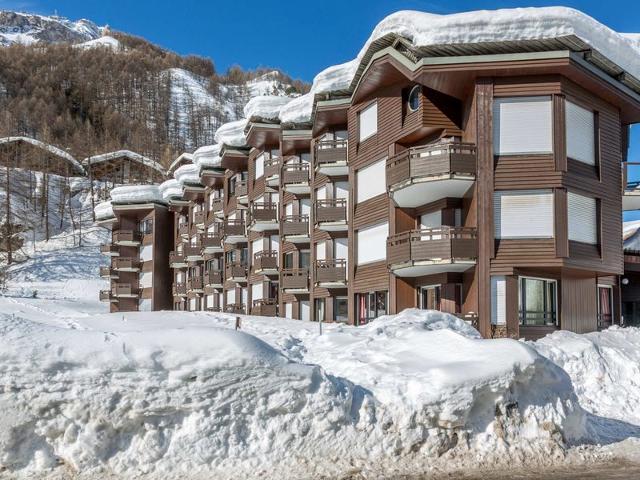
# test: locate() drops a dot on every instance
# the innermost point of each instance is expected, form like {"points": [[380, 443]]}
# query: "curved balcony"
{"points": [[264, 217], [331, 215], [265, 307], [295, 178], [234, 231], [330, 157], [331, 273], [295, 228], [125, 264], [295, 280], [421, 175], [265, 262], [432, 250]]}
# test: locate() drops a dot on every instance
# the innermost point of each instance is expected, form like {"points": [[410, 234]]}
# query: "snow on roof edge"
{"points": [[50, 148], [103, 157]]}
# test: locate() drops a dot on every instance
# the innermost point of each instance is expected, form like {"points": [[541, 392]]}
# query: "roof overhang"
{"points": [[293, 140], [260, 135], [327, 113]]}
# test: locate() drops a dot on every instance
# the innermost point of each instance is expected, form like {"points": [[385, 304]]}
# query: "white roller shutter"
{"points": [[256, 246], [245, 297], [371, 180], [288, 310], [259, 164], [498, 300], [146, 253], [231, 296], [146, 279], [368, 121], [372, 243], [583, 218], [305, 310], [305, 206], [321, 251], [275, 243], [523, 214], [321, 193], [522, 125], [580, 127], [256, 291]]}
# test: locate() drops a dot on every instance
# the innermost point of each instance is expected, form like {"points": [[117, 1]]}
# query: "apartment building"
{"points": [[482, 180]]}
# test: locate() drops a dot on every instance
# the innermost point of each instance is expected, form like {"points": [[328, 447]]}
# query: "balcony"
{"points": [[242, 191], [421, 175], [295, 280], [106, 296], [199, 218], [177, 260], [237, 308], [432, 250], [127, 238], [630, 189], [125, 264], [295, 228], [331, 158], [213, 278], [179, 290], [195, 284], [183, 230], [272, 170], [265, 262], [264, 216], [265, 307], [331, 215], [107, 272], [110, 250], [124, 290], [295, 178], [211, 242], [236, 272], [331, 273], [193, 253], [234, 231]]}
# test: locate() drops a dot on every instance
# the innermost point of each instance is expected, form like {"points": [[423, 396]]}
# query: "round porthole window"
{"points": [[414, 98]]}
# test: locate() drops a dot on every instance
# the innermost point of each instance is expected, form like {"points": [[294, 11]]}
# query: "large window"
{"points": [[523, 214], [371, 243], [341, 309], [583, 218], [368, 121], [537, 302], [522, 125], [580, 128], [371, 181], [371, 306]]}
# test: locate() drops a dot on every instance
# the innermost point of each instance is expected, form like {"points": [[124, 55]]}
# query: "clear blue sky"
{"points": [[300, 37]]}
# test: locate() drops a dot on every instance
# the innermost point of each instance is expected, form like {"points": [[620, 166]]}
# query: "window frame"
{"points": [[497, 122], [522, 298], [521, 192], [416, 88]]}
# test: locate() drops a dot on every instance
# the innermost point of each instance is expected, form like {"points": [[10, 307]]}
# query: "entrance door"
{"points": [[605, 304], [430, 297]]}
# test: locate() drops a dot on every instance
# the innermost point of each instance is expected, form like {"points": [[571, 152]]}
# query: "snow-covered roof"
{"points": [[188, 174], [77, 167], [170, 189], [232, 133], [265, 107], [631, 235], [136, 157], [423, 29], [207, 156], [104, 211], [185, 157], [136, 194]]}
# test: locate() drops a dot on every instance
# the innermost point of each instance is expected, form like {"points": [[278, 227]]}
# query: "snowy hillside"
{"points": [[27, 29]]}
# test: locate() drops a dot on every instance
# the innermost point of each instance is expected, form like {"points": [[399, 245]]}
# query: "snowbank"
{"points": [[102, 42], [170, 189], [265, 107], [207, 156], [104, 211], [232, 133], [173, 394], [136, 194], [187, 174]]}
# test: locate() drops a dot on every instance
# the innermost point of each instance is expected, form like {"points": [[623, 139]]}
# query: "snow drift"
{"points": [[165, 394]]}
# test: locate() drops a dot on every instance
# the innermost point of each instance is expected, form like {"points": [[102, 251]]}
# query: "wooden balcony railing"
{"points": [[265, 260], [176, 258], [179, 289], [192, 251], [265, 307], [106, 296], [264, 212], [105, 272], [272, 166], [125, 263], [235, 270], [109, 249], [234, 308], [211, 239], [431, 161], [440, 243], [216, 204], [213, 277], [199, 217], [333, 210], [183, 229], [295, 279], [293, 173], [124, 290], [195, 283], [241, 188], [234, 228], [330, 152], [331, 271], [295, 225], [126, 236]]}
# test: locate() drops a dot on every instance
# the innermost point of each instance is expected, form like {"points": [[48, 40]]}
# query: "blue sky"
{"points": [[300, 37]]}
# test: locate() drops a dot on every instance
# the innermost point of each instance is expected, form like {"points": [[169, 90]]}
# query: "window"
{"points": [[259, 166], [146, 253], [371, 306], [581, 131], [498, 300], [305, 258], [537, 301], [288, 260], [605, 306], [305, 310], [523, 214], [414, 98], [371, 181], [146, 226], [256, 291], [583, 218], [341, 309], [368, 121], [430, 297], [319, 309], [522, 125], [371, 243], [145, 280]]}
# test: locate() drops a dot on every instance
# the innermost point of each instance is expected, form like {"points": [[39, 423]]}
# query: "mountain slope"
{"points": [[25, 28]]}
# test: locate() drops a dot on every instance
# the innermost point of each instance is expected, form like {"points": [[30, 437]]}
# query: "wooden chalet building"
{"points": [[482, 180]]}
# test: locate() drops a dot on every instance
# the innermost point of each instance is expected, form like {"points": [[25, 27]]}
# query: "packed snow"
{"points": [[136, 157], [104, 211], [183, 158], [207, 156], [232, 133], [631, 235], [170, 189], [136, 194], [187, 174], [266, 107]]}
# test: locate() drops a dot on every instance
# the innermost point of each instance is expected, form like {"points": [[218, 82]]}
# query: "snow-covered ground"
{"points": [[171, 394]]}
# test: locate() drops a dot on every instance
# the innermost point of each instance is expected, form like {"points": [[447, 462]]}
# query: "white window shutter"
{"points": [[371, 180], [321, 251], [259, 165], [523, 214], [256, 291], [522, 125], [256, 245], [372, 243], [498, 300], [368, 121], [580, 127], [583, 218]]}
